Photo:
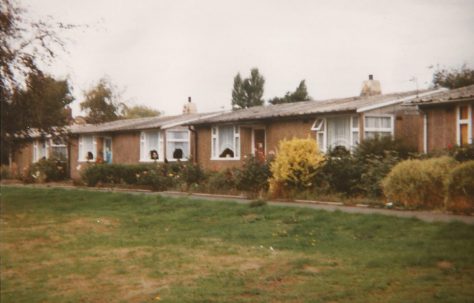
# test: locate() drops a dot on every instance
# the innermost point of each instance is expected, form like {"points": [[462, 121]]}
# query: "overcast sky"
{"points": [[161, 52]]}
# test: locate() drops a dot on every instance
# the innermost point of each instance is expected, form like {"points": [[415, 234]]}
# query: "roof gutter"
{"points": [[186, 122], [392, 102]]}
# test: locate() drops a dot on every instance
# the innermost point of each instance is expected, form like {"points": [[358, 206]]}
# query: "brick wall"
{"points": [[22, 159], [275, 131]]}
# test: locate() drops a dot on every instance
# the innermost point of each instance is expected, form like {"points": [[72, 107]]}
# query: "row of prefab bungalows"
{"points": [[427, 120]]}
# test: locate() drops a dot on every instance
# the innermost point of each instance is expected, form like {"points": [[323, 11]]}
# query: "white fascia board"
{"points": [[166, 126], [401, 100]]}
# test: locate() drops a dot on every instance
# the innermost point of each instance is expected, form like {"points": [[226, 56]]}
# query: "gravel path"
{"points": [[427, 216]]}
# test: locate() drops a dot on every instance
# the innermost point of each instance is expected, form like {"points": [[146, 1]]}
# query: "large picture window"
{"points": [[87, 148], [378, 126], [58, 149], [332, 132], [151, 146], [225, 142], [177, 145]]}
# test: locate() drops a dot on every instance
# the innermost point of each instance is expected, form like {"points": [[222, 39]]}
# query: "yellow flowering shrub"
{"points": [[295, 165]]}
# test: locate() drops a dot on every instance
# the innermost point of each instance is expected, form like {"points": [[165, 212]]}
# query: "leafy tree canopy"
{"points": [[249, 91], [102, 102], [42, 106], [300, 94], [138, 111], [454, 78], [27, 97]]}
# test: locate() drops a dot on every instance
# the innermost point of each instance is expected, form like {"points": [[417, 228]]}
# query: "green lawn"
{"points": [[79, 246]]}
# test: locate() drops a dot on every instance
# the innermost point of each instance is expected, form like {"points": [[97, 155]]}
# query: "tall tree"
{"points": [[300, 94], [454, 78], [25, 45], [138, 111], [42, 106], [248, 92], [102, 102]]}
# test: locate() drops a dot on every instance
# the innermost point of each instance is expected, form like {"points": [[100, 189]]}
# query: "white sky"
{"points": [[161, 52]]}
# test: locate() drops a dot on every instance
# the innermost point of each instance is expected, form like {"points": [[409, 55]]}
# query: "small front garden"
{"points": [[81, 246], [379, 172]]}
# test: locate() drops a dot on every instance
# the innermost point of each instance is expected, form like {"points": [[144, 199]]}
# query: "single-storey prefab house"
{"points": [[37, 148], [447, 118], [143, 140], [223, 141]]}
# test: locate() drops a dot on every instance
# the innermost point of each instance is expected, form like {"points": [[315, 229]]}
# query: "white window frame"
{"points": [[52, 144], [460, 122], [215, 143], [81, 153], [143, 143], [355, 130], [188, 140], [320, 127], [36, 147], [390, 129]]}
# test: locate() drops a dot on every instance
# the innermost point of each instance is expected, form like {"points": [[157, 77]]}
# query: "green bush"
{"points": [[159, 177], [192, 174], [340, 172], [254, 175], [46, 170], [380, 146], [5, 172], [223, 181], [462, 153], [460, 188], [373, 171], [418, 183]]}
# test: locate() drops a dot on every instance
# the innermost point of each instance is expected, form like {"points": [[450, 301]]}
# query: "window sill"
{"points": [[225, 159], [150, 161]]}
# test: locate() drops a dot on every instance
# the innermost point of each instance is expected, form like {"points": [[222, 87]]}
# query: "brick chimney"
{"points": [[370, 87], [189, 108]]}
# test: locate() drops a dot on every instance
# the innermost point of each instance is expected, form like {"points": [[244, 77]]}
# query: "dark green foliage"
{"points": [[42, 106], [340, 173], [361, 172], [138, 174], [192, 174], [47, 170], [224, 180], [248, 92], [101, 102], [28, 98], [460, 188], [379, 146], [300, 94], [462, 153], [454, 78], [254, 175]]}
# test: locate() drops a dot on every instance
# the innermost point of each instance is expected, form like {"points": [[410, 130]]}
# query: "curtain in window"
{"points": [[339, 132], [87, 146], [377, 122], [226, 138]]}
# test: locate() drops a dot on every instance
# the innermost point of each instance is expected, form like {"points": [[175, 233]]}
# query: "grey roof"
{"points": [[448, 96], [138, 124], [306, 108]]}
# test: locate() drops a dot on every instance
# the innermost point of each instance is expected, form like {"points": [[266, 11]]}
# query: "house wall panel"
{"points": [[441, 127]]}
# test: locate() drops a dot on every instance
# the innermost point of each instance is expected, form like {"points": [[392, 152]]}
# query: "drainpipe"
{"points": [[195, 156]]}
